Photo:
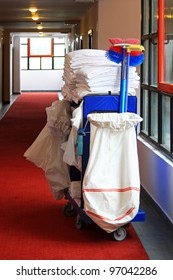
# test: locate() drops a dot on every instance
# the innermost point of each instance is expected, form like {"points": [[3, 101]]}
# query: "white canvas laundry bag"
{"points": [[111, 183], [45, 152]]}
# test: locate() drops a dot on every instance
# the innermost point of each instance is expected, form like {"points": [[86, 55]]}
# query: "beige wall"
{"points": [[112, 18], [118, 18], [89, 22]]}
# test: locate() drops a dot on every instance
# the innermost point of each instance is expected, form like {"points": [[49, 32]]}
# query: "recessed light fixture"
{"points": [[34, 13], [84, 1], [39, 26], [33, 10], [35, 16]]}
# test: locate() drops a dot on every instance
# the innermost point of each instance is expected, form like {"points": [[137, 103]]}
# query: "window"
{"points": [[42, 53], [156, 74], [39, 47]]}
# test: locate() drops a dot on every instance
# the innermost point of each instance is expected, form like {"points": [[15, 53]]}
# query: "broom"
{"points": [[124, 51]]}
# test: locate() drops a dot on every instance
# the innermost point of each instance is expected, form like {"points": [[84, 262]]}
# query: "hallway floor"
{"points": [[156, 233]]}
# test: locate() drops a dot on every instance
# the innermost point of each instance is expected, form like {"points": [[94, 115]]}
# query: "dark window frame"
{"points": [[162, 89]]}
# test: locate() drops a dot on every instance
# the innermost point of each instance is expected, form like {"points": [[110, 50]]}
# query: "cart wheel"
{"points": [[69, 210], [79, 223], [119, 234], [126, 225]]}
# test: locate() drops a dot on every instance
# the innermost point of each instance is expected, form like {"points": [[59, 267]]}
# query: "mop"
{"points": [[129, 53]]}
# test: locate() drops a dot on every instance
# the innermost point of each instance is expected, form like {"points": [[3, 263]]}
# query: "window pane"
{"points": [[34, 63], [154, 115], [145, 26], [46, 63], [166, 122], [59, 50], [168, 46], [58, 62], [24, 40], [24, 63], [24, 50], [154, 61], [145, 111], [40, 46], [154, 15], [145, 63], [168, 61]]}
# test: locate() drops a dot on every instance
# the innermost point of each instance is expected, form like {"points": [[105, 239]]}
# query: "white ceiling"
{"points": [[53, 13]]}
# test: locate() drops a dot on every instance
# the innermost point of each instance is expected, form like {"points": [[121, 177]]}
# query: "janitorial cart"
{"points": [[107, 144]]}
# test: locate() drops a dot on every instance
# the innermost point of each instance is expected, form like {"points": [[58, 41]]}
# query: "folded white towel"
{"points": [[89, 71]]}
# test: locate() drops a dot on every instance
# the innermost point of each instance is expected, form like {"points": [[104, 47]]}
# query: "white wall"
{"points": [[156, 173], [38, 80], [41, 80]]}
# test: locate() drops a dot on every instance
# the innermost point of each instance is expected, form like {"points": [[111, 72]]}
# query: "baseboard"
{"points": [[149, 200]]}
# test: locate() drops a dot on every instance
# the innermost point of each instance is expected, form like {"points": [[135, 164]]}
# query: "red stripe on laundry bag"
{"points": [[126, 214], [106, 219], [112, 190]]}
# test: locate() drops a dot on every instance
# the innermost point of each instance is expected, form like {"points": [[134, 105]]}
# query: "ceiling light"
{"points": [[85, 1], [39, 26], [35, 16], [33, 10]]}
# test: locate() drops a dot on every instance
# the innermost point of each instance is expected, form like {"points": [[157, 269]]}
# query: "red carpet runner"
{"points": [[32, 223]]}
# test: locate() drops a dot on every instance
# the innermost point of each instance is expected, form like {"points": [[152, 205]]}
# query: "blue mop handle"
{"points": [[125, 75], [123, 82], [127, 79]]}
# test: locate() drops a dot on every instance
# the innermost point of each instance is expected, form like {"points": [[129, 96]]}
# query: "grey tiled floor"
{"points": [[155, 233]]}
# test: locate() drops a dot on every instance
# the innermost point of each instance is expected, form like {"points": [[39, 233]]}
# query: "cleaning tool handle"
{"points": [[123, 83], [79, 147]]}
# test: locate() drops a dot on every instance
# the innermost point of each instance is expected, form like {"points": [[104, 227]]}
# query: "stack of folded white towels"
{"points": [[88, 71]]}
